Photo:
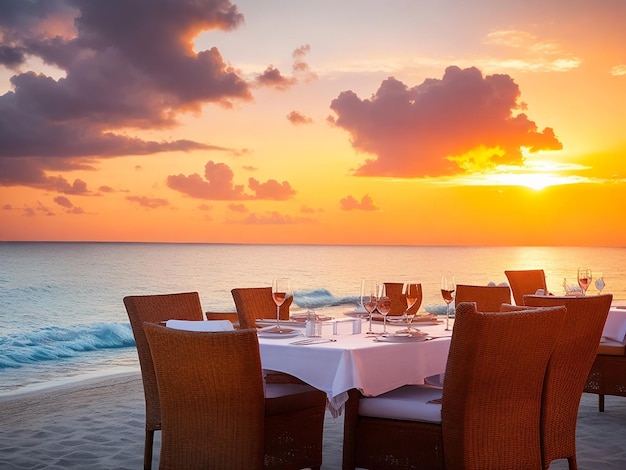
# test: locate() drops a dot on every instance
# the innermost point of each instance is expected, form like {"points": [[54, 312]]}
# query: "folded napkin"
{"points": [[200, 325], [615, 325]]}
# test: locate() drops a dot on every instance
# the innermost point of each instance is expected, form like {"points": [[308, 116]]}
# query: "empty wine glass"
{"points": [[383, 306], [599, 282], [281, 291], [448, 286], [369, 298], [412, 292], [584, 279]]}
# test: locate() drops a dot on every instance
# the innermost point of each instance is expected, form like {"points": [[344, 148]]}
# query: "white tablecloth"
{"points": [[357, 361], [615, 326]]}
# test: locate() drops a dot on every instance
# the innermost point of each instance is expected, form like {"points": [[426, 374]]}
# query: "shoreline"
{"points": [[98, 423]]}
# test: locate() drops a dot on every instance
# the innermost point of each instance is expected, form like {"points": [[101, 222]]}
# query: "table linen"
{"points": [[357, 361]]}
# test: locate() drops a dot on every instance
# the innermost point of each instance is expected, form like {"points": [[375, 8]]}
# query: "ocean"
{"points": [[62, 316]]}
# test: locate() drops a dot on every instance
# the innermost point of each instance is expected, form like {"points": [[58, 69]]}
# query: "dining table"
{"points": [[340, 360]]}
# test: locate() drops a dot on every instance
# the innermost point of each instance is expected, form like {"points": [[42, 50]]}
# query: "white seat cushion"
{"points": [[409, 403], [200, 325]]}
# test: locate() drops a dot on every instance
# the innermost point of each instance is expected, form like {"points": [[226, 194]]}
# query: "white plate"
{"points": [[400, 338], [267, 333]]}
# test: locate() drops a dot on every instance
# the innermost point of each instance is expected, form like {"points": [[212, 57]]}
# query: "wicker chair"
{"points": [[253, 303], [568, 371], [490, 404], [525, 281], [398, 301], [212, 409], [155, 309], [608, 373], [487, 298]]}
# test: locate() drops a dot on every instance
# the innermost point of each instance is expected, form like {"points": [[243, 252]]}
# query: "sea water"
{"points": [[62, 316]]}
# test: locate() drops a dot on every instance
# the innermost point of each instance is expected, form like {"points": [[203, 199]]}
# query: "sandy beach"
{"points": [[99, 424]]}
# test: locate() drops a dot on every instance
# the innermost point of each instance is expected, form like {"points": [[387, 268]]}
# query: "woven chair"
{"points": [[155, 309], [212, 409], [487, 298], [398, 300], [568, 371], [608, 373], [525, 281], [486, 415], [253, 303], [293, 415]]}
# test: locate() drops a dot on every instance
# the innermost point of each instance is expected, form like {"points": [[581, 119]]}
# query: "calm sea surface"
{"points": [[62, 316]]}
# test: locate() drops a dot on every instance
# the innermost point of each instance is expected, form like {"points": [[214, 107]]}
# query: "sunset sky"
{"points": [[400, 122]]}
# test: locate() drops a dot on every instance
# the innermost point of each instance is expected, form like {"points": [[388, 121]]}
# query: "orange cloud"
{"points": [[147, 202], [349, 203], [218, 184], [417, 131]]}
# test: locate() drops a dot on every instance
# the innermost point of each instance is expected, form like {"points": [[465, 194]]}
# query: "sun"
{"points": [[536, 181]]}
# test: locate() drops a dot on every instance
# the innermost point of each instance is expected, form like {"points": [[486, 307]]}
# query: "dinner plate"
{"points": [[401, 338], [287, 333]]}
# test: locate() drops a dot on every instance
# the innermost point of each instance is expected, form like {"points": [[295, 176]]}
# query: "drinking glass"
{"points": [[599, 282], [448, 286], [384, 306], [281, 291], [369, 298], [411, 292], [584, 279]]}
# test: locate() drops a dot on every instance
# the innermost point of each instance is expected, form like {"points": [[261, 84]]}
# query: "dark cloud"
{"points": [[418, 131], [350, 203], [218, 184], [272, 77], [295, 118], [63, 201], [127, 65]]}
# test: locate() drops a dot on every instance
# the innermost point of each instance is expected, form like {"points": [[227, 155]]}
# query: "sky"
{"points": [[395, 122]]}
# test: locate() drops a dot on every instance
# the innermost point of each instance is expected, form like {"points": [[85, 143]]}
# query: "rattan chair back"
{"points": [[487, 298], [253, 303], [212, 408], [568, 370], [525, 281], [156, 308], [398, 300], [492, 393]]}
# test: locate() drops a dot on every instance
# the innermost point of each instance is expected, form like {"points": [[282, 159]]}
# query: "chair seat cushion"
{"points": [[611, 348], [282, 398], [200, 325], [410, 403]]}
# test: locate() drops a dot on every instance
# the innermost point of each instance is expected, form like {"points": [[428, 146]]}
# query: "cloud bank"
{"points": [[429, 130], [126, 65]]}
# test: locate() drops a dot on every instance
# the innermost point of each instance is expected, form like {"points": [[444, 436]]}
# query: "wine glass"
{"points": [[369, 298], [448, 286], [584, 279], [599, 283], [412, 292], [281, 291], [383, 306]]}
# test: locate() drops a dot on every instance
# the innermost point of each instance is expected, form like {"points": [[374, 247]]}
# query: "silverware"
{"points": [[313, 341]]}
